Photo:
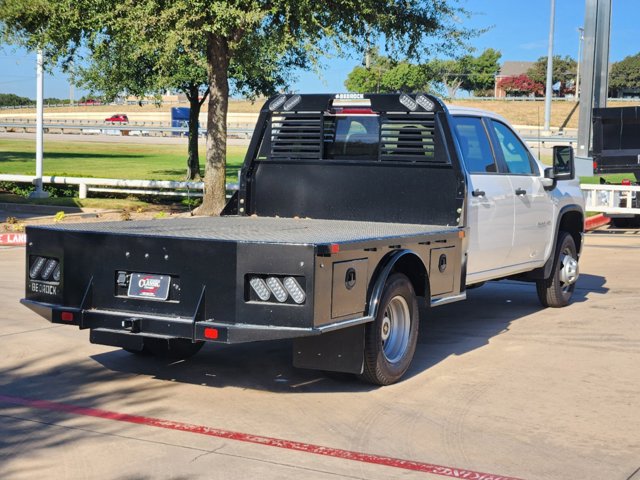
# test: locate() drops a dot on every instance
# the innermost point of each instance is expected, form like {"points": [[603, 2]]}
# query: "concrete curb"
{"points": [[591, 223]]}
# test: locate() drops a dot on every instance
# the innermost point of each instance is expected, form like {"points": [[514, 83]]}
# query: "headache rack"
{"points": [[370, 157], [375, 128]]}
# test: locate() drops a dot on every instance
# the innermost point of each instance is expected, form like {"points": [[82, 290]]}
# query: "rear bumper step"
{"points": [[128, 326]]}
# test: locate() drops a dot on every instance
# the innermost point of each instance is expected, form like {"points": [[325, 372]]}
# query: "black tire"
{"points": [[555, 292], [176, 348], [390, 340]]}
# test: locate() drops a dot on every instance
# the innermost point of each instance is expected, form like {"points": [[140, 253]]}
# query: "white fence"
{"points": [[114, 185], [88, 127], [613, 199]]}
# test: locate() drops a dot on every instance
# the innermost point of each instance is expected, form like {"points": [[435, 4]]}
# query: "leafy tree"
{"points": [[369, 78], [564, 71], [521, 85], [249, 46], [481, 72], [625, 74], [11, 100], [386, 76], [118, 64], [406, 77], [450, 74]]}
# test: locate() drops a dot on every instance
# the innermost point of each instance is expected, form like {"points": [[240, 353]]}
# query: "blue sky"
{"points": [[519, 30]]}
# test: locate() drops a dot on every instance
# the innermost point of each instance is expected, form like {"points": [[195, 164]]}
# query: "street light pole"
{"points": [[580, 40], [549, 92], [39, 193]]}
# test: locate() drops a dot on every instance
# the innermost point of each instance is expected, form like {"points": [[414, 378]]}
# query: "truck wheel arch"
{"points": [[402, 261]]}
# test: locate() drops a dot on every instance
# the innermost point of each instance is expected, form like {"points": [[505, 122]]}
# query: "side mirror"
{"points": [[549, 179], [563, 163]]}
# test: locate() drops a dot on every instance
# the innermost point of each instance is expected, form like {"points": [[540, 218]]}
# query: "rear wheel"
{"points": [[390, 340], [556, 291], [176, 348]]}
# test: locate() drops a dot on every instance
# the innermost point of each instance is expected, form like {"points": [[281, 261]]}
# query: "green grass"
{"points": [[612, 178], [108, 160]]}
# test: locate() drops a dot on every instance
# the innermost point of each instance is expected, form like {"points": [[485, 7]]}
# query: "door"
{"points": [[533, 205], [490, 203]]}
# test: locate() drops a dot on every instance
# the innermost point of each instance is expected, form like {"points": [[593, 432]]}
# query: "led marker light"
{"points": [[57, 273], [260, 288], [294, 289], [36, 268], [49, 268], [275, 285]]}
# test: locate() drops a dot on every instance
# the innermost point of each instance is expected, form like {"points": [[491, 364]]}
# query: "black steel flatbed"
{"points": [[300, 231], [325, 241]]}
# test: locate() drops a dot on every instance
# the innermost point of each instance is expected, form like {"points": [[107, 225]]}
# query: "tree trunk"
{"points": [[452, 88], [214, 181], [193, 159]]}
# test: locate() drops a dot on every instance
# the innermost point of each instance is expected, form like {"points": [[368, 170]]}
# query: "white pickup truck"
{"points": [[522, 221], [350, 208]]}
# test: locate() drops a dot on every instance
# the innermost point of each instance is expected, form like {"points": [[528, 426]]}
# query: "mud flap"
{"points": [[338, 351]]}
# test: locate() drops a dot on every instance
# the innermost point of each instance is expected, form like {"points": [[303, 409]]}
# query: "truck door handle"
{"points": [[478, 193], [521, 191]]}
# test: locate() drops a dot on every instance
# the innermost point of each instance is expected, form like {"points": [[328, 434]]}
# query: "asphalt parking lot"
{"points": [[499, 388]]}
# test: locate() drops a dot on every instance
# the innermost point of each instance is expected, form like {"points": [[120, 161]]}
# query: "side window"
{"points": [[476, 149], [515, 154]]}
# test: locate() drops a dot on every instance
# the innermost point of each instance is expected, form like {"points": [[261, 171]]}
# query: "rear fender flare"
{"points": [[384, 269]]}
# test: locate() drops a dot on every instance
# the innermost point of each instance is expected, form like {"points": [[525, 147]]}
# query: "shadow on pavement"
{"points": [[65, 383], [453, 329]]}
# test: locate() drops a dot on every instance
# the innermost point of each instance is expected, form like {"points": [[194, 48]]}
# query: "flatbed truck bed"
{"points": [[303, 231]]}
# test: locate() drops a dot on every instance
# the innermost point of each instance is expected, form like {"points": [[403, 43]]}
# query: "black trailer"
{"points": [[350, 207], [616, 150], [616, 140]]}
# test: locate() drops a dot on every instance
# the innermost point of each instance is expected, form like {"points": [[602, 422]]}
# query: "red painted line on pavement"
{"points": [[17, 239], [441, 470], [595, 221]]}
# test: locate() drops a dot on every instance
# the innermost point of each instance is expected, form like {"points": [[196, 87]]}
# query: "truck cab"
{"points": [[513, 209]]}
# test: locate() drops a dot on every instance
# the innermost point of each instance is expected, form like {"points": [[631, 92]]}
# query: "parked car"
{"points": [[117, 118]]}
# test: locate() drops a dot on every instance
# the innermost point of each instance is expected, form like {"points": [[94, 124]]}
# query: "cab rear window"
{"points": [[385, 137]]}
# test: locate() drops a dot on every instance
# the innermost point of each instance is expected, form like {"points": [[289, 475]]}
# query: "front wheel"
{"points": [[556, 291], [390, 340]]}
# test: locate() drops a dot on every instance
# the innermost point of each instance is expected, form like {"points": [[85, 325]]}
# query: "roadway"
{"points": [[498, 385], [78, 137]]}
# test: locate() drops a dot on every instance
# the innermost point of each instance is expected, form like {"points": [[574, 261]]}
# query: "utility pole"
{"points": [[580, 40], [39, 193], [71, 84], [549, 92], [595, 74]]}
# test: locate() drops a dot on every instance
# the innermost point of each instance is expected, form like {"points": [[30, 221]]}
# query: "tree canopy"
{"points": [[521, 85], [250, 46], [564, 71], [625, 74], [385, 75], [474, 74]]}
